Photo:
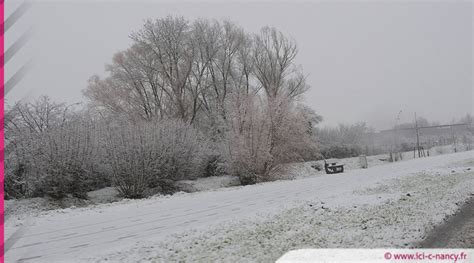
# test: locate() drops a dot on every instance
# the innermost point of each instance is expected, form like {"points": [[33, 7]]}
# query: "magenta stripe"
{"points": [[2, 137]]}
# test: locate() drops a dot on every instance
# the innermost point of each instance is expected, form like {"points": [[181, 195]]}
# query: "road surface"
{"points": [[456, 232]]}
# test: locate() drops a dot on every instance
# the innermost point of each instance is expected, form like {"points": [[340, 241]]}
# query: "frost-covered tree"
{"points": [[237, 88], [263, 138], [274, 55]]}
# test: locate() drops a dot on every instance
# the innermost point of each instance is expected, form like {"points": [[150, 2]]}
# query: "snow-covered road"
{"points": [[75, 234]]}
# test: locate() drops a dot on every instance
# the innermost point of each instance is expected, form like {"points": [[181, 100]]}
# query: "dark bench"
{"points": [[333, 168]]}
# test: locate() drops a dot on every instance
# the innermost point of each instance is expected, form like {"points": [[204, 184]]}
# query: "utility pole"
{"points": [[397, 139], [417, 136], [454, 139], [397, 120]]}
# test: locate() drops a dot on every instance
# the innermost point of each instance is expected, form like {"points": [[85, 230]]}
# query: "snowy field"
{"points": [[392, 205]]}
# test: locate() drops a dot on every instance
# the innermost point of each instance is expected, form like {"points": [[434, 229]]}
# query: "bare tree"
{"points": [[274, 56], [169, 40], [230, 84], [37, 116]]}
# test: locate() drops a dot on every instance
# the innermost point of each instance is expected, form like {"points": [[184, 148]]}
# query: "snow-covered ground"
{"points": [[383, 206], [18, 210], [207, 183]]}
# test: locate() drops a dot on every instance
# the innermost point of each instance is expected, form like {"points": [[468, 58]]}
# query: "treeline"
{"points": [[461, 137], [186, 100], [347, 140]]}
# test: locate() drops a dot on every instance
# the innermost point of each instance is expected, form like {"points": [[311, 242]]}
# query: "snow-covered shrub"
{"points": [[271, 134], [18, 180], [214, 166], [49, 150], [246, 147], [68, 159], [59, 161], [149, 154]]}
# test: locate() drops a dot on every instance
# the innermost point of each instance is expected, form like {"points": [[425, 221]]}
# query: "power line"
{"points": [[426, 127]]}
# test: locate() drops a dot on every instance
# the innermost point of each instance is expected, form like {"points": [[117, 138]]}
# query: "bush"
{"points": [[214, 166], [273, 135], [67, 162], [15, 183], [56, 162], [22, 178], [150, 154]]}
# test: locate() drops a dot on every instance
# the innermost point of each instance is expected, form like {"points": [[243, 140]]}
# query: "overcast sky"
{"points": [[366, 61]]}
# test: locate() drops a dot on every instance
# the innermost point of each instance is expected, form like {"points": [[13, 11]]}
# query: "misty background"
{"points": [[365, 61]]}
